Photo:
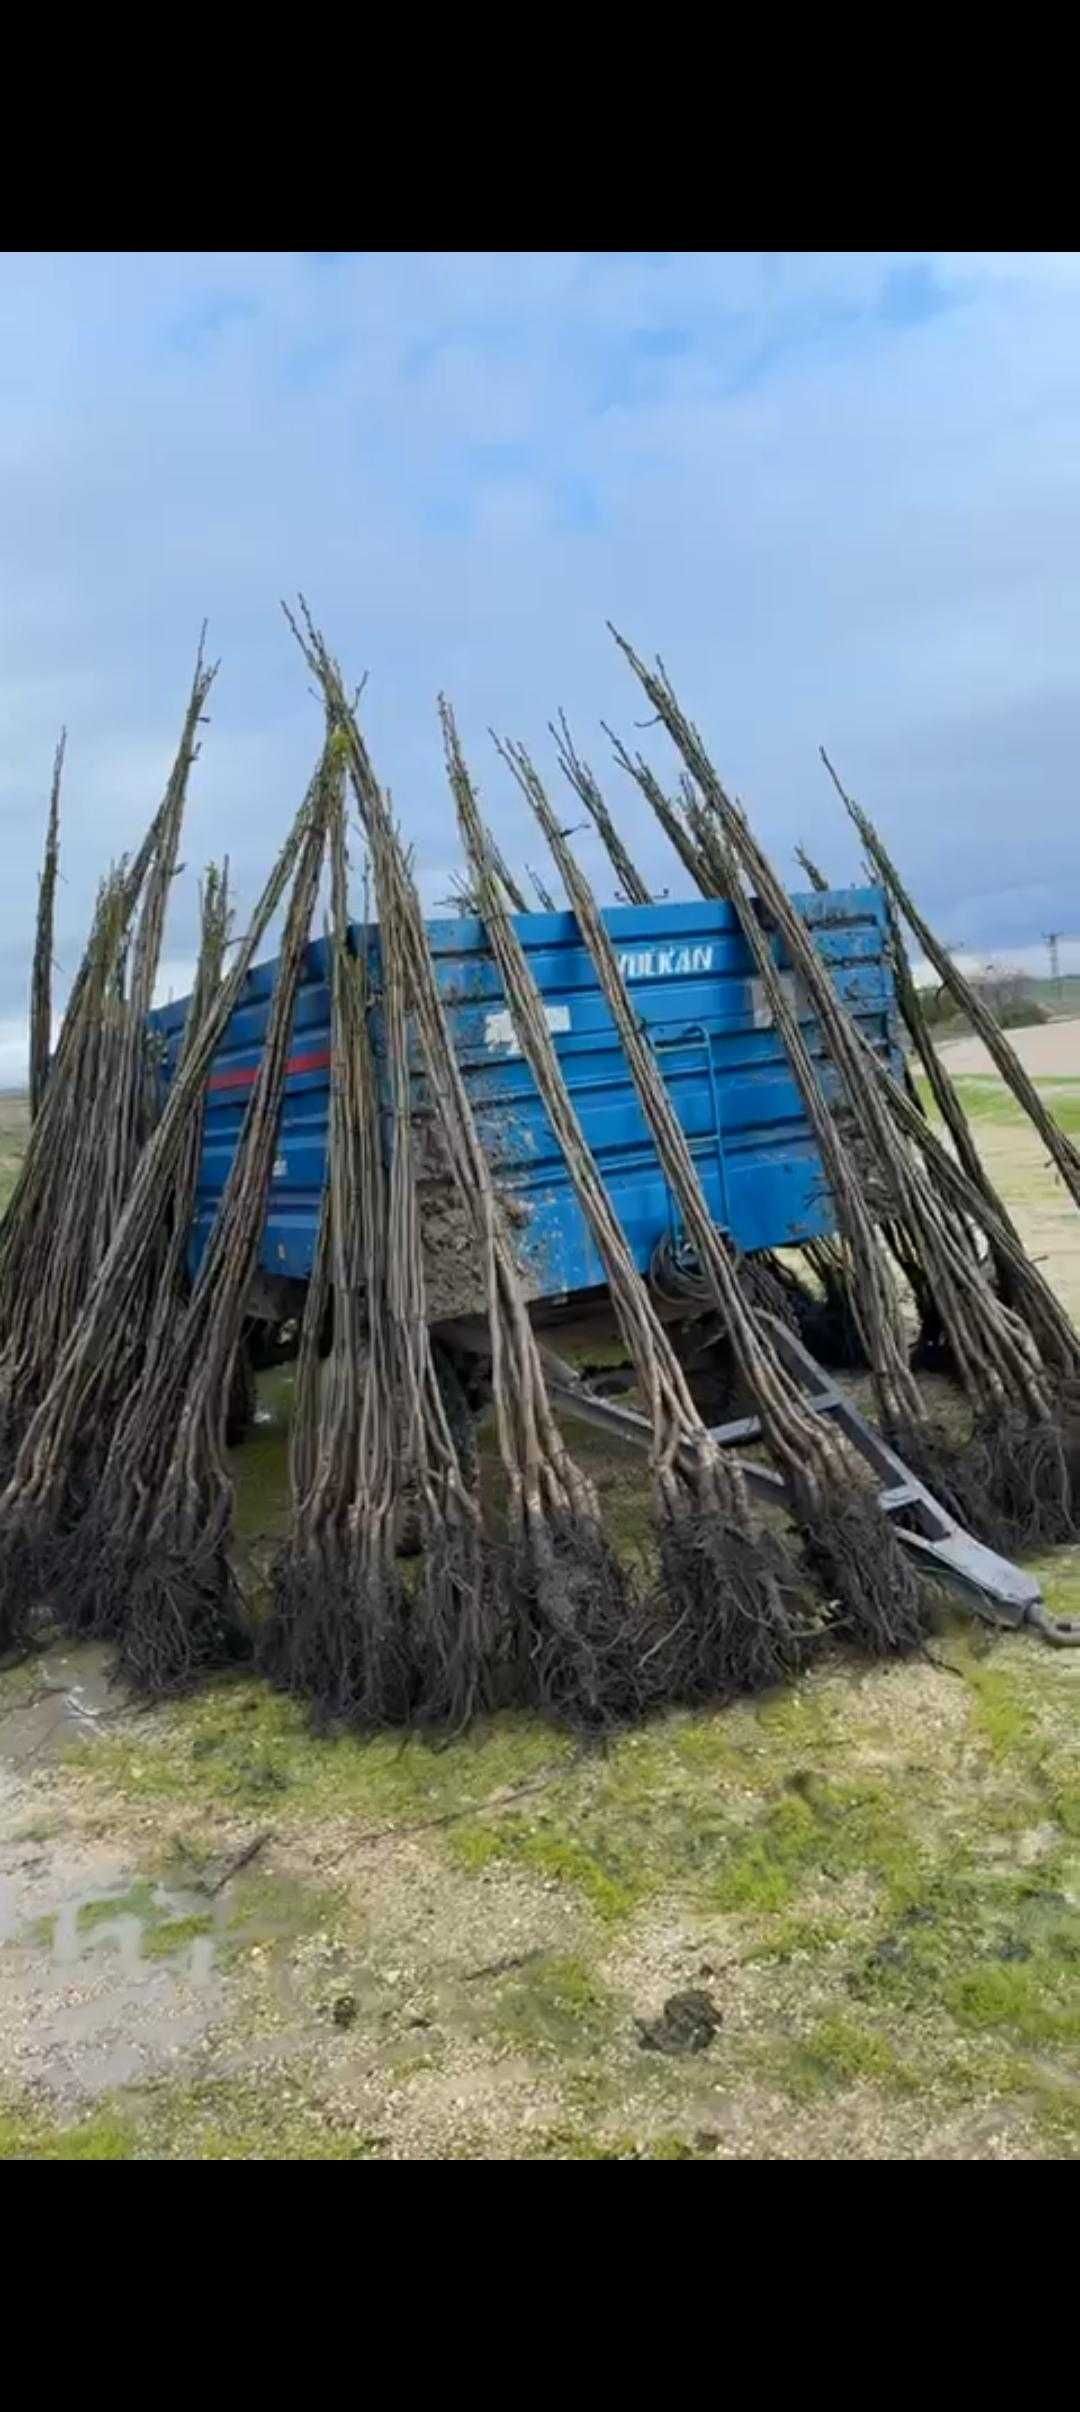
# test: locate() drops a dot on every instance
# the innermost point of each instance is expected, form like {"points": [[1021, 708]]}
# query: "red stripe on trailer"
{"points": [[242, 1076]]}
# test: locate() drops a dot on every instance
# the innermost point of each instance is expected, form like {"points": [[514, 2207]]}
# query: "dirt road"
{"points": [[1048, 1051]]}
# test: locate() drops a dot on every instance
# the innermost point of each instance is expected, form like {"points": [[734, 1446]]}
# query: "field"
{"points": [[220, 1938], [13, 1125], [1049, 1051]]}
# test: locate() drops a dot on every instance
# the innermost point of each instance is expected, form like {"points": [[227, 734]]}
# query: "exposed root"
{"points": [[1032, 1468], [973, 1480], [730, 1620], [877, 1597], [185, 1619], [96, 1569], [44, 1561], [94, 1551], [27, 1574], [370, 1652], [581, 1633], [334, 1636], [457, 1632]]}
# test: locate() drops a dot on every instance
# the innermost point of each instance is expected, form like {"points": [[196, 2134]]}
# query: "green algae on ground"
{"points": [[707, 1806], [212, 2119], [164, 1931], [139, 1901], [237, 1745], [175, 1935], [834, 2053], [27, 2134], [557, 2005]]}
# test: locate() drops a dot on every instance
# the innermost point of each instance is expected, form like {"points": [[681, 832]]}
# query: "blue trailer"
{"points": [[692, 980]]}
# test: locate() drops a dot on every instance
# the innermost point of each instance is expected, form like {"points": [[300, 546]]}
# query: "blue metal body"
{"points": [[691, 979]]}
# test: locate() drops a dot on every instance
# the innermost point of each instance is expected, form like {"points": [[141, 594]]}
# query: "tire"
{"points": [[243, 1396], [459, 1415], [708, 1362]]}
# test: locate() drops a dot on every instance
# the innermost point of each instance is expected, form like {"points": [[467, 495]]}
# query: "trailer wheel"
{"points": [[243, 1395], [459, 1415], [708, 1361]]}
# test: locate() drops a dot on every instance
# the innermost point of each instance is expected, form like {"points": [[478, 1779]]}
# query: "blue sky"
{"points": [[840, 493]]}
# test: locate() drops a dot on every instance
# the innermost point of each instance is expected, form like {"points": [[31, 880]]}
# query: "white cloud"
{"points": [[841, 493], [14, 1043]]}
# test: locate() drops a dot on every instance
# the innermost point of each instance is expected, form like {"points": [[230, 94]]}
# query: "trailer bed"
{"points": [[692, 981]]}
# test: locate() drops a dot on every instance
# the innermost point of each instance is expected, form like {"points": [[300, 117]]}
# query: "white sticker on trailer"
{"points": [[665, 962], [499, 1028]]}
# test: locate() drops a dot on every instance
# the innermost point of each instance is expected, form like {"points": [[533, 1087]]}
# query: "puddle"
{"points": [[108, 1976], [67, 1697], [143, 1924], [105, 1976]]}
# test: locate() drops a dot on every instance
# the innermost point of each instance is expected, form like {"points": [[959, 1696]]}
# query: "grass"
{"points": [[987, 1099], [238, 1746], [737, 1812], [174, 1935], [876, 1871], [836, 2053], [216, 2119], [138, 1902], [885, 1907], [14, 1124], [558, 2005]]}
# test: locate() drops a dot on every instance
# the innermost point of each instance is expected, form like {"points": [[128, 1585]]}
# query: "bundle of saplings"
{"points": [[179, 1611], [996, 1479], [87, 1581], [92, 1121], [90, 1384], [335, 1635], [572, 1613], [848, 1544], [822, 1311], [973, 1006], [42, 967], [727, 1614]]}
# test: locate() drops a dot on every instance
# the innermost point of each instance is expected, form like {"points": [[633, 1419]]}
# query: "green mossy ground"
{"points": [[875, 1874]]}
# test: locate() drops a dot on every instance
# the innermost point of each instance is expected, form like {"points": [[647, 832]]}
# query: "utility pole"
{"points": [[1052, 937]]}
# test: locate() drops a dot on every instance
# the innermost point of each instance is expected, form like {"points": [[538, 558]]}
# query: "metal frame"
{"points": [[1004, 1593]]}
